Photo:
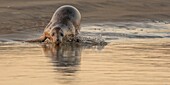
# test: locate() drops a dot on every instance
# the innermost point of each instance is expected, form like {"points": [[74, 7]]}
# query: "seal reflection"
{"points": [[67, 56], [66, 59]]}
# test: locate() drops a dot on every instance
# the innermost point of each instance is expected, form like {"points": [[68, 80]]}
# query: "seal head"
{"points": [[56, 35]]}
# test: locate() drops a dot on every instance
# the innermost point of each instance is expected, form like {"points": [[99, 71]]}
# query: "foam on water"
{"points": [[119, 30]]}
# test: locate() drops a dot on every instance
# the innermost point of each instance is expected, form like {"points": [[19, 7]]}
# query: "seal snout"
{"points": [[56, 34], [58, 41]]}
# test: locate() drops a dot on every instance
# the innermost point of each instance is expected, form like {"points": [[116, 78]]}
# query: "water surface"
{"points": [[136, 54]]}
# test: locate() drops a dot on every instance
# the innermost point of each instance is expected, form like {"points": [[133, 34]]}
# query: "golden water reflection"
{"points": [[121, 62]]}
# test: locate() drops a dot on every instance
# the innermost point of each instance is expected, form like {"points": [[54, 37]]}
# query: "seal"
{"points": [[64, 22]]}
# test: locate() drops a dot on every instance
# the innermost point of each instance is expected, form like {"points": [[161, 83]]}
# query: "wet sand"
{"points": [[137, 52]]}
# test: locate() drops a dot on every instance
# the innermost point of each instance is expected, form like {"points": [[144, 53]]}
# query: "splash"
{"points": [[97, 40]]}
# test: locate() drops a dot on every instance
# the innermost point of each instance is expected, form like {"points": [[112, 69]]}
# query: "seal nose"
{"points": [[58, 40]]}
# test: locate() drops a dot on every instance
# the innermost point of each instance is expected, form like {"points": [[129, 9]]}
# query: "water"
{"points": [[136, 54]]}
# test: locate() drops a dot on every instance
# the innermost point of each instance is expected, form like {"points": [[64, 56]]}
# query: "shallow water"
{"points": [[136, 54]]}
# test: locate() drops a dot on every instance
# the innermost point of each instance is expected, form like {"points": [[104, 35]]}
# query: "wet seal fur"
{"points": [[64, 22]]}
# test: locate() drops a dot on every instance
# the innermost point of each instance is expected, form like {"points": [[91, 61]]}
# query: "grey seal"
{"points": [[64, 22]]}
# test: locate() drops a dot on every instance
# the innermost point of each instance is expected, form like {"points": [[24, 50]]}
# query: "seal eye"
{"points": [[53, 34], [61, 34]]}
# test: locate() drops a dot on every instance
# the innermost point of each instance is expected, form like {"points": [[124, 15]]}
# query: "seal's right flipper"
{"points": [[41, 39]]}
